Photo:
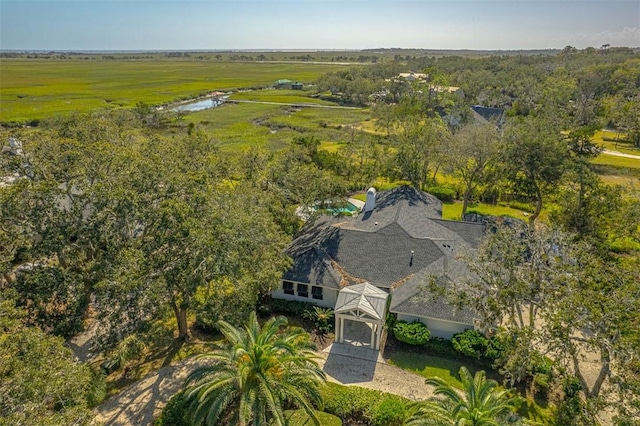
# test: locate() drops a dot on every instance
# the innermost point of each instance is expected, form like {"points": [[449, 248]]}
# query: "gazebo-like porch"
{"points": [[363, 303]]}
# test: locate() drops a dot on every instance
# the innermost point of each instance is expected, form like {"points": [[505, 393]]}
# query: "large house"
{"points": [[399, 244]]}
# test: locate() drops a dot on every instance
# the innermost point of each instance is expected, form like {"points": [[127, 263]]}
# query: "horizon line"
{"points": [[262, 50]]}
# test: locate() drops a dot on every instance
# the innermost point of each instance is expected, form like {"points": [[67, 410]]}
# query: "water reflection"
{"points": [[201, 104]]}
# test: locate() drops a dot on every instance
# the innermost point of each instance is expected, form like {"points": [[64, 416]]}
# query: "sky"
{"points": [[120, 25]]}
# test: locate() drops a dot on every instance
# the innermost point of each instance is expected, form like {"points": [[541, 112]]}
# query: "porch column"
{"points": [[373, 336], [341, 329], [379, 337]]}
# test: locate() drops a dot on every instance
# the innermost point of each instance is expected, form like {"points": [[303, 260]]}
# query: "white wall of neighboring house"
{"points": [[329, 295], [438, 328]]}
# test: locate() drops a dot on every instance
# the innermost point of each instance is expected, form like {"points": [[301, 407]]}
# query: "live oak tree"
{"points": [[53, 213], [596, 312], [196, 229], [141, 222], [418, 142], [534, 157], [41, 383], [557, 297], [472, 154]]}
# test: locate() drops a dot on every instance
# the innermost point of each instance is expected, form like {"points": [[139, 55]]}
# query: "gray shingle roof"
{"points": [[413, 297], [377, 247], [489, 115]]}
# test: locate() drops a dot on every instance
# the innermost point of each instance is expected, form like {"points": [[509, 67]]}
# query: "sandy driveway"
{"points": [[143, 401], [621, 154]]}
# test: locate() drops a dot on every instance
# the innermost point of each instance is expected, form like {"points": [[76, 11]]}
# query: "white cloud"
{"points": [[628, 36]]}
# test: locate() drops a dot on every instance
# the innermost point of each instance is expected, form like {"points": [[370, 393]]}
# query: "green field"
{"points": [[453, 211], [615, 142], [616, 161], [35, 88], [281, 96], [240, 126]]}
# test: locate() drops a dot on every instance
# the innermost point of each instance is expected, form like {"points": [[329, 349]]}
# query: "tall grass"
{"points": [[35, 88]]}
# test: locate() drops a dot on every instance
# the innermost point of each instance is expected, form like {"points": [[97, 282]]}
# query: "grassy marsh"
{"points": [[35, 88]]}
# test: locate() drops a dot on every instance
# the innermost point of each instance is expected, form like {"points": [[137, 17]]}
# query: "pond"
{"points": [[201, 104]]}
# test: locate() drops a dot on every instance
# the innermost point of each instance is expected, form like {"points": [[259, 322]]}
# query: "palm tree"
{"points": [[480, 404], [258, 372]]}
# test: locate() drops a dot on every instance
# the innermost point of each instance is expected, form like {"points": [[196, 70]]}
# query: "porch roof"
{"points": [[363, 297]]}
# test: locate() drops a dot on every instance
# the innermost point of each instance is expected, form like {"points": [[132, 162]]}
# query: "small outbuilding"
{"points": [[283, 84]]}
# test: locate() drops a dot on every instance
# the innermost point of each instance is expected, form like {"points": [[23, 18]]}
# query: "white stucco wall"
{"points": [[438, 328], [329, 296]]}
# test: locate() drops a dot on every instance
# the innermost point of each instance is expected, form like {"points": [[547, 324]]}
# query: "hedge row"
{"points": [[285, 307], [365, 406], [443, 193], [349, 403]]}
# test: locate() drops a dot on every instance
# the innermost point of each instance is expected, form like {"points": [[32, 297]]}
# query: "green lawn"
{"points": [[36, 88], [628, 181], [616, 161], [614, 142], [453, 211], [537, 412], [429, 366]]}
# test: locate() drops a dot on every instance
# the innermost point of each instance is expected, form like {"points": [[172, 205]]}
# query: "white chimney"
{"points": [[371, 200]]}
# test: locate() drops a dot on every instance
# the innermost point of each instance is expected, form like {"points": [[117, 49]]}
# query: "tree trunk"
{"points": [[536, 213], [181, 317], [435, 174], [604, 372], [465, 202]]}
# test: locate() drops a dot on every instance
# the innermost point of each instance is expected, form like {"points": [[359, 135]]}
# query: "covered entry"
{"points": [[364, 303]]}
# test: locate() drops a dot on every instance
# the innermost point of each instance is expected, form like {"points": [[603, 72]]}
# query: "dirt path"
{"points": [[144, 400], [620, 154]]}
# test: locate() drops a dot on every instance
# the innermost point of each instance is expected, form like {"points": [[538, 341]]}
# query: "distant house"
{"points": [[477, 115], [287, 84], [398, 244], [412, 76], [489, 115]]}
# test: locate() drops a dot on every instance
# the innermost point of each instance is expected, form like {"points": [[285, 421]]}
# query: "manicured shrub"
{"points": [[290, 307], [301, 418], [390, 412], [443, 193], [415, 333], [495, 348], [174, 412], [470, 343], [355, 405], [441, 347]]}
